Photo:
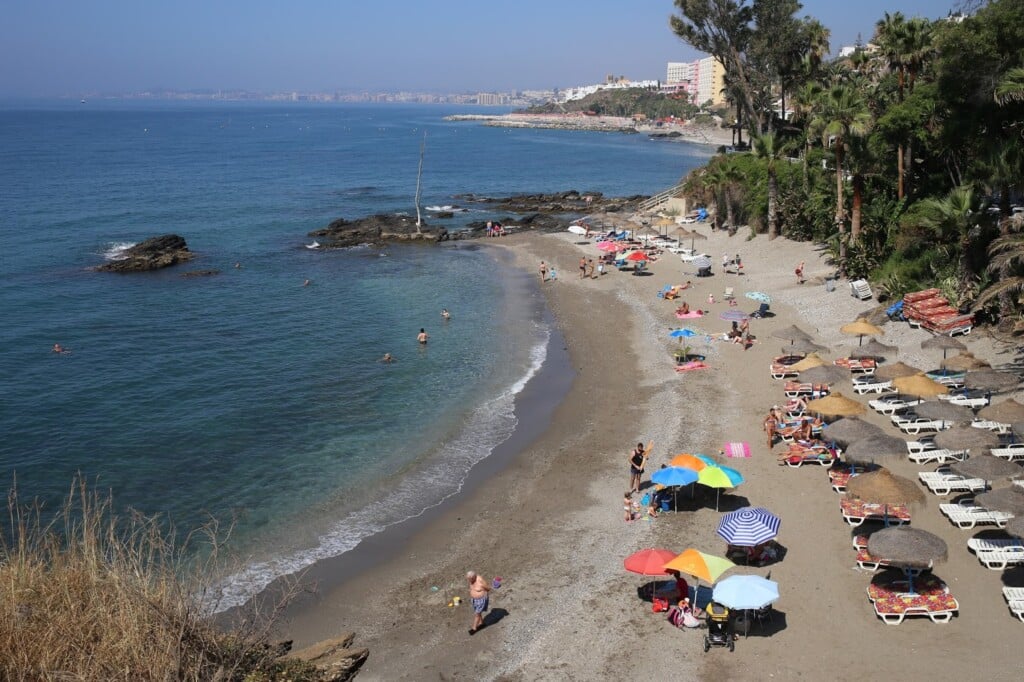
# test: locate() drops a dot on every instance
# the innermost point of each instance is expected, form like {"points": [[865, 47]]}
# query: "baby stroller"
{"points": [[719, 627]]}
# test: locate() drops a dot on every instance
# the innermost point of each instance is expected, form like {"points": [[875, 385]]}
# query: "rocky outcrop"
{"points": [[151, 254], [376, 229], [335, 658], [571, 201]]}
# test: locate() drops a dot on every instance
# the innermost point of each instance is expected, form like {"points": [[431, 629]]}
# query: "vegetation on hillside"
{"points": [[905, 158], [628, 102]]}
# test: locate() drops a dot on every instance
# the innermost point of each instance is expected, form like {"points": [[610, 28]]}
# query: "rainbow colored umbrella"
{"points": [[688, 461], [719, 477], [701, 566]]}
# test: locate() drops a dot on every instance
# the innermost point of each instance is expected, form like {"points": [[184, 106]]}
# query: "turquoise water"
{"points": [[246, 395]]}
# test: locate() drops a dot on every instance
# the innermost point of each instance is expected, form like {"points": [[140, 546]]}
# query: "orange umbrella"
{"points": [[702, 566], [688, 461]]}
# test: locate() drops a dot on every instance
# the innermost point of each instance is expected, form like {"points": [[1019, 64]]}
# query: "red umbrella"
{"points": [[649, 561], [637, 256]]}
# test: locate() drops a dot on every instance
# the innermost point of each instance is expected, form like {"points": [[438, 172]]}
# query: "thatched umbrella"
{"points": [[875, 447], [991, 380], [850, 429], [811, 360], [804, 346], [873, 349], [861, 328], [1009, 500], [874, 315], [883, 487], [1018, 429], [966, 438], [920, 386], [906, 547], [792, 333], [1006, 412], [963, 362], [835, 405], [897, 369], [823, 374], [985, 467], [946, 343], [1016, 526], [946, 411]]}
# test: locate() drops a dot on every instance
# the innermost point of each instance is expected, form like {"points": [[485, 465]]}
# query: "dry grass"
{"points": [[92, 596]]}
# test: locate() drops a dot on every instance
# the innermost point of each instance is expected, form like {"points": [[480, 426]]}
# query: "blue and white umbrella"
{"points": [[701, 262], [758, 296], [748, 527], [745, 592]]}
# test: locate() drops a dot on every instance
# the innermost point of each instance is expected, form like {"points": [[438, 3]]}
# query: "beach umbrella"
{"points": [[710, 461], [719, 477], [649, 561], [1006, 412], [884, 487], [673, 477], [637, 256], [861, 328], [875, 447], [849, 430], [607, 246], [873, 349], [876, 316], [963, 362], [1009, 500], [733, 315], [920, 386], [835, 405], [792, 333], [966, 438], [812, 360], [946, 343], [748, 526], [701, 262], [707, 567], [681, 334], [897, 369], [665, 221], [804, 346], [688, 461], [907, 548], [986, 467], [745, 592], [758, 296], [578, 229], [946, 411], [694, 236], [1015, 526], [991, 380], [823, 374]]}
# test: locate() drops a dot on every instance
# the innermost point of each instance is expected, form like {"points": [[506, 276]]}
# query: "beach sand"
{"points": [[550, 522]]}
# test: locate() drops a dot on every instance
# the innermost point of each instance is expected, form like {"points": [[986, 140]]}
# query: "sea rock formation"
{"points": [[335, 658], [570, 201], [151, 254], [376, 229]]}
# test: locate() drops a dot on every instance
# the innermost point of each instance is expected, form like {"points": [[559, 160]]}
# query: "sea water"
{"points": [[246, 396]]}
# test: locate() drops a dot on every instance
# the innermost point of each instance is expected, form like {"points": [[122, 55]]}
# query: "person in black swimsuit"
{"points": [[637, 459]]}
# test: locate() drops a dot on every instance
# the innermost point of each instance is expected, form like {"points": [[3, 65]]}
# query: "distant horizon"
{"points": [[69, 49]]}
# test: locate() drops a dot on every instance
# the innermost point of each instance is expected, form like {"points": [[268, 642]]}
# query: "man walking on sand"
{"points": [[478, 595]]}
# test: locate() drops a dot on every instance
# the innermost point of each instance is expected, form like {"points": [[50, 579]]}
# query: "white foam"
{"points": [[116, 250], [489, 425]]}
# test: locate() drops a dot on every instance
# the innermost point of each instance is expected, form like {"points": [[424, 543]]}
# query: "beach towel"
{"points": [[690, 315], [740, 449]]}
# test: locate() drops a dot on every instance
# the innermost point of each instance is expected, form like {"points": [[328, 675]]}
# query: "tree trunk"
{"points": [[855, 212], [729, 213], [773, 199], [899, 172], [907, 167], [807, 166], [840, 212]]}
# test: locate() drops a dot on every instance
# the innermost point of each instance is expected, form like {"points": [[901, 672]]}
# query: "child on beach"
{"points": [[627, 505], [552, 275]]}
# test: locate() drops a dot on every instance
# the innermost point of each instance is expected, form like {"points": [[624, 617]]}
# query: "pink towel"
{"points": [[737, 449], [690, 315]]}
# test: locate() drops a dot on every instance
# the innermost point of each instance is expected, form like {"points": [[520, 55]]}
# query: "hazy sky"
{"points": [[58, 47]]}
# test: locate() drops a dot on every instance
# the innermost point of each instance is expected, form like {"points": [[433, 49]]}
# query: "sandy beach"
{"points": [[549, 521]]}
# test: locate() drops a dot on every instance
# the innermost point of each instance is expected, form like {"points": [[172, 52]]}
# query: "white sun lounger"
{"points": [[892, 404], [973, 402], [938, 456], [998, 427], [1014, 597], [995, 544], [926, 443], [998, 559], [1011, 453], [943, 484], [915, 425], [966, 515], [869, 384]]}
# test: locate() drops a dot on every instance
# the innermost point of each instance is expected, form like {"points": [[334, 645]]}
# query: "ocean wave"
{"points": [[489, 425], [116, 250]]}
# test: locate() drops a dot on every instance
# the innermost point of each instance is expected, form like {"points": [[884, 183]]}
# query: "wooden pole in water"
{"points": [[419, 175]]}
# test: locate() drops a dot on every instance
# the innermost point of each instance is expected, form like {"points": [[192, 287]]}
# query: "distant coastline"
{"points": [[686, 132]]}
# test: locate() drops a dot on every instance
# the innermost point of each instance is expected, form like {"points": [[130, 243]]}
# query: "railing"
{"points": [[660, 198]]}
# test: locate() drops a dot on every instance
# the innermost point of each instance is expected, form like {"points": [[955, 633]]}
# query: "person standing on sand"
{"points": [[590, 269], [637, 460], [800, 273], [543, 271], [583, 268], [478, 595], [422, 336]]}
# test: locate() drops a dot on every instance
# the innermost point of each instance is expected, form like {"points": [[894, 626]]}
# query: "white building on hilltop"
{"points": [[579, 92]]}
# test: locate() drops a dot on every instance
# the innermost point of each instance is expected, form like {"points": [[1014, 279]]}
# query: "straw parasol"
{"points": [[966, 438], [920, 386], [946, 343], [1016, 526], [883, 487], [1009, 500], [991, 380], [1006, 412], [804, 346], [906, 547], [962, 362], [823, 374], [874, 315], [861, 327], [946, 411], [876, 446], [985, 467], [849, 429], [873, 349], [1018, 429], [835, 405], [792, 333], [811, 360], [897, 369]]}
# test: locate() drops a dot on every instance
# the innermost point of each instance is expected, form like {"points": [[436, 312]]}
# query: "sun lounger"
{"points": [[914, 425], [860, 542], [1014, 597], [971, 399], [1017, 608], [894, 608], [855, 365], [921, 445], [860, 289], [995, 544], [1013, 452], [795, 389], [925, 584], [943, 484], [797, 458], [990, 425], [938, 456], [840, 474], [868, 383], [969, 515], [999, 559], [891, 404], [856, 512], [779, 371]]}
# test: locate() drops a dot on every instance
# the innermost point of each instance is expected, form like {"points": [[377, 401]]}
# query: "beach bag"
{"points": [[658, 604]]}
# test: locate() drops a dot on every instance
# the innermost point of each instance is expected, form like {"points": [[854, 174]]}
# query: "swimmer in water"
{"points": [[238, 265], [306, 283], [422, 336], [387, 358], [57, 348], [445, 314]]}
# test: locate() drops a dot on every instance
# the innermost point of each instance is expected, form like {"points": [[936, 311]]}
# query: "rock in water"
{"points": [[376, 229], [152, 254]]}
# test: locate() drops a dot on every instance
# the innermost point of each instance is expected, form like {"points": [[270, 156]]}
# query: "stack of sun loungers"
{"points": [[997, 554], [1015, 600], [931, 310], [893, 601]]}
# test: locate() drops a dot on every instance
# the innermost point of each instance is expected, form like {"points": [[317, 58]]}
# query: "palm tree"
{"points": [[804, 101], [1006, 256], [771, 150], [1011, 87], [891, 31], [952, 218], [858, 161], [842, 113]]}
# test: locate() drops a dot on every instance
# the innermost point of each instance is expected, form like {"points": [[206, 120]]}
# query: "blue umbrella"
{"points": [[758, 296], [746, 592], [682, 333], [673, 477], [748, 527]]}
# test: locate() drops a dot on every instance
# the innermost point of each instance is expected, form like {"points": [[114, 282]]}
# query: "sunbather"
{"points": [[683, 309]]}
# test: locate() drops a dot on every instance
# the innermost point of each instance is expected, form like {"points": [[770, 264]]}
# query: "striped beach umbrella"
{"points": [[748, 527]]}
